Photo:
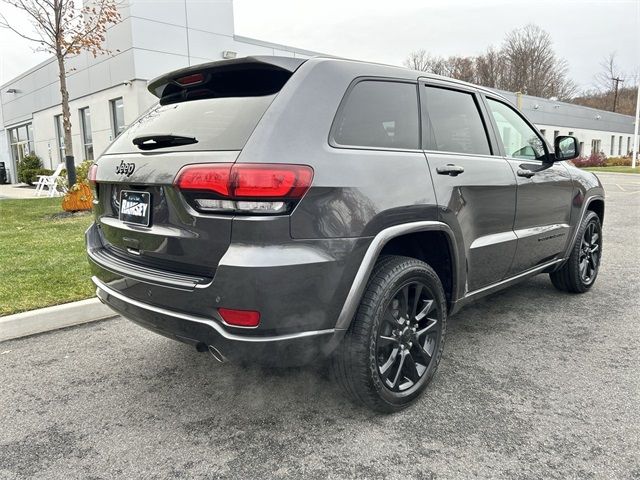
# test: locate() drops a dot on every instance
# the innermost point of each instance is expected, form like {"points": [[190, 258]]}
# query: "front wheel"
{"points": [[394, 344], [579, 273]]}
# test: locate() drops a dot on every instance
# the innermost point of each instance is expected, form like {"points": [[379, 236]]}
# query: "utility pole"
{"points": [[634, 155], [616, 81]]}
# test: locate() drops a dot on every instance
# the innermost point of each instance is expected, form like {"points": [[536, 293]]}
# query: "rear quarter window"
{"points": [[378, 114], [217, 123]]}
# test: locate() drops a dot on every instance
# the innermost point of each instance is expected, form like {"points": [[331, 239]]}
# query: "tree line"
{"points": [[526, 62]]}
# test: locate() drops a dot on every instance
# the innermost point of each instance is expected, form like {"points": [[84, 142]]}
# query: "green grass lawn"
{"points": [[42, 258], [614, 169]]}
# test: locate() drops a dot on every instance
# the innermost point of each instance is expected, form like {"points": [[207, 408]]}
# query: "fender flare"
{"points": [[583, 212], [371, 256]]}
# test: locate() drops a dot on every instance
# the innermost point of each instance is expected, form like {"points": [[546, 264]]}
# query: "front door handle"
{"points": [[450, 169], [525, 173]]}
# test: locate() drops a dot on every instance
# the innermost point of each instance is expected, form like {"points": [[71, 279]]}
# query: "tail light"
{"points": [[244, 188], [92, 174], [240, 318]]}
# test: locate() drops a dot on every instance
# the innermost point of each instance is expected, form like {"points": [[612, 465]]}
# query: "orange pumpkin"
{"points": [[79, 198]]}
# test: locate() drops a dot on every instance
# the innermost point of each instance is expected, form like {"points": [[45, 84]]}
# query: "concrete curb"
{"points": [[614, 173], [53, 318]]}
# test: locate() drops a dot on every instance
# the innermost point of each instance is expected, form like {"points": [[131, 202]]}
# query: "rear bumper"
{"points": [[299, 288], [289, 349]]}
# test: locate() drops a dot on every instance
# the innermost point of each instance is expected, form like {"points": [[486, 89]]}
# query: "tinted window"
{"points": [[217, 123], [518, 138], [456, 124], [379, 114]]}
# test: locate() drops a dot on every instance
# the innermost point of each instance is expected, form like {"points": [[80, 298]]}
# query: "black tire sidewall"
{"points": [[415, 271], [574, 260]]}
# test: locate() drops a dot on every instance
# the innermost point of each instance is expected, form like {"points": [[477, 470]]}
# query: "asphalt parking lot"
{"points": [[533, 384]]}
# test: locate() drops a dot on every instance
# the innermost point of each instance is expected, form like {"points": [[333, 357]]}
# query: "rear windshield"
{"points": [[216, 123]]}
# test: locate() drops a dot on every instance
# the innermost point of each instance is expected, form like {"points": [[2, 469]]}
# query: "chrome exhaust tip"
{"points": [[216, 354]]}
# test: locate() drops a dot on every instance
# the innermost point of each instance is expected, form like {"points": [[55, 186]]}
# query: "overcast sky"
{"points": [[583, 31]]}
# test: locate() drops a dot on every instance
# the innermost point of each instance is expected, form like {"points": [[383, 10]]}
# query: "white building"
{"points": [[109, 92], [596, 130]]}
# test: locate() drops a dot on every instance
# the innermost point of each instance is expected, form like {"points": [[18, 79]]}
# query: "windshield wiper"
{"points": [[162, 140]]}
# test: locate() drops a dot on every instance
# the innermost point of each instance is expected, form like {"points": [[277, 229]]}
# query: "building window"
{"points": [[628, 145], [60, 136], [87, 137], [581, 148], [595, 146], [20, 142], [613, 142], [620, 146], [543, 132], [556, 134], [117, 116], [571, 134]]}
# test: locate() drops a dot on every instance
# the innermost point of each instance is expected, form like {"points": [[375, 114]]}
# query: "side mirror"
{"points": [[566, 148]]}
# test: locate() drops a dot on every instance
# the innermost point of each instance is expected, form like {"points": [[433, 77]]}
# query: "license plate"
{"points": [[135, 207]]}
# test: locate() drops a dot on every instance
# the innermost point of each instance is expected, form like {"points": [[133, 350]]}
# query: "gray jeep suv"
{"points": [[282, 211]]}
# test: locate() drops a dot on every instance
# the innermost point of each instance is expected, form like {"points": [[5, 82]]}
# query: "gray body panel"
{"points": [[306, 271]]}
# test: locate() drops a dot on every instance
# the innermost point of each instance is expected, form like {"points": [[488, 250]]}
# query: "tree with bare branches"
{"points": [[526, 62], [609, 70], [418, 60], [64, 29], [613, 89], [532, 65], [490, 68]]}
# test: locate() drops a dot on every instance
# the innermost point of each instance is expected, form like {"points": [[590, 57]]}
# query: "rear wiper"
{"points": [[162, 140]]}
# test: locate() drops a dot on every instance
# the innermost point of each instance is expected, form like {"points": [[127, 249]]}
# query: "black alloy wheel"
{"points": [[589, 260], [579, 272], [407, 337], [394, 344]]}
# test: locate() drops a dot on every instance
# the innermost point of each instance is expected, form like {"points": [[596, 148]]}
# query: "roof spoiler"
{"points": [[246, 76]]}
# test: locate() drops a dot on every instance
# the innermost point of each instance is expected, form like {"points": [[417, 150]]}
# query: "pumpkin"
{"points": [[78, 198]]}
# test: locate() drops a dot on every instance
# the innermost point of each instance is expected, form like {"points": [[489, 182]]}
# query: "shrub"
{"points": [[30, 175], [27, 168], [618, 162], [593, 160]]}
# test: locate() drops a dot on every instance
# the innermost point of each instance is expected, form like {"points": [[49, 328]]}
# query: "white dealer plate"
{"points": [[135, 207]]}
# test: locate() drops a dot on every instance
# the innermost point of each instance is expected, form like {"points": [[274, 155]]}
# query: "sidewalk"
{"points": [[17, 190]]}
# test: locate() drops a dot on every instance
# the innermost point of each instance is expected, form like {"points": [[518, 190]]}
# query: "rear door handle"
{"points": [[450, 169], [525, 173]]}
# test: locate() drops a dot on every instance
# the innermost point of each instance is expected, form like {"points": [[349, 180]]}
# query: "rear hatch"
{"points": [[205, 115]]}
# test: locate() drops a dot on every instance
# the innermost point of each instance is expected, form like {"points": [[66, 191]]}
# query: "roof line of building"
{"points": [[562, 102], [29, 71], [279, 46]]}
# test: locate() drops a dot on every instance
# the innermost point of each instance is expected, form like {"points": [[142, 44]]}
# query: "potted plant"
{"points": [[79, 196]]}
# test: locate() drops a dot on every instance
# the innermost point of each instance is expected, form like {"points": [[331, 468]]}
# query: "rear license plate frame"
{"points": [[133, 199]]}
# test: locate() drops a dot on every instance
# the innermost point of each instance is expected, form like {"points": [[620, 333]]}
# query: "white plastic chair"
{"points": [[49, 181]]}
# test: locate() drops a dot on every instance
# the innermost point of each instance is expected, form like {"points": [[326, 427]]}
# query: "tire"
{"points": [[394, 343], [580, 271]]}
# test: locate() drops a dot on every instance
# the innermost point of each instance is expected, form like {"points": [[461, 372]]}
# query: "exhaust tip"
{"points": [[216, 354]]}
